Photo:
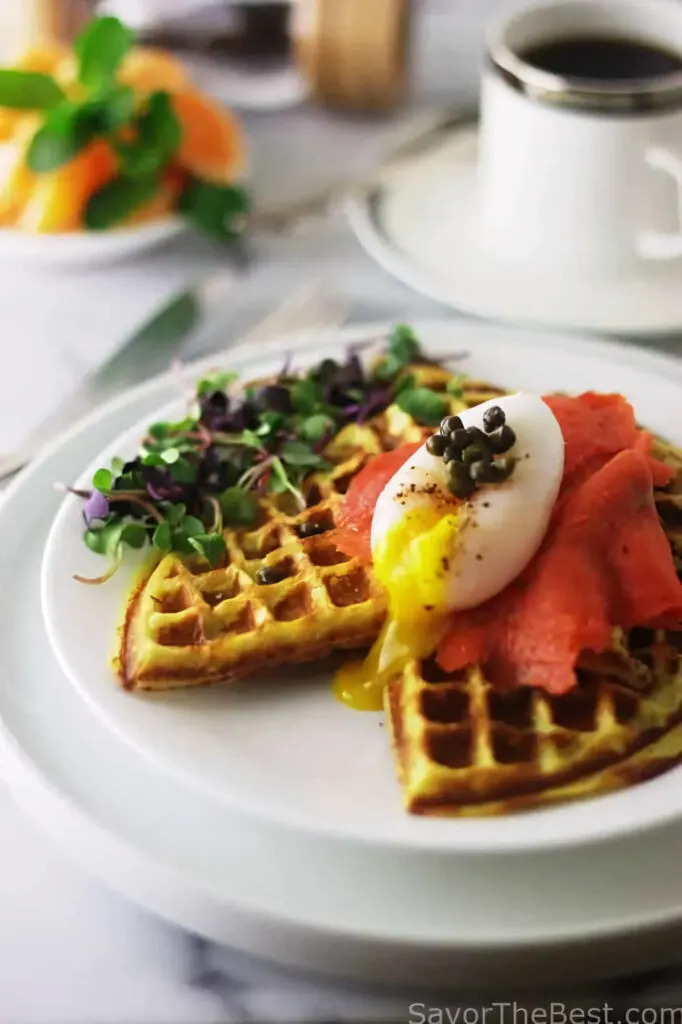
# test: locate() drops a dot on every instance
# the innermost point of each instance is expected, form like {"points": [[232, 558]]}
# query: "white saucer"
{"points": [[89, 248], [420, 226], [287, 753], [414, 918]]}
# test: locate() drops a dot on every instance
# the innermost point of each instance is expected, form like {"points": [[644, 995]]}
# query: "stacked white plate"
{"points": [[267, 815]]}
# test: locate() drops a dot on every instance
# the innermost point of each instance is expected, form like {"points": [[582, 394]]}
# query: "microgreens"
{"points": [[143, 133], [210, 470]]}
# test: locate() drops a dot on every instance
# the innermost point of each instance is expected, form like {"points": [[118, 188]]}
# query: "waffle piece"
{"points": [[464, 748], [187, 624], [279, 597]]}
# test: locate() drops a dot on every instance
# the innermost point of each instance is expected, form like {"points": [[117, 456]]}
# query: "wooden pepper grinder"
{"points": [[353, 53]]}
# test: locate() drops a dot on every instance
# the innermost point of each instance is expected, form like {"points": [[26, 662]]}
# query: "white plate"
{"points": [[411, 919], [289, 753], [420, 226], [89, 248]]}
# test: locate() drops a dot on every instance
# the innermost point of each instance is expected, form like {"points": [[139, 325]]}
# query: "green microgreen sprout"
{"points": [[194, 478]]}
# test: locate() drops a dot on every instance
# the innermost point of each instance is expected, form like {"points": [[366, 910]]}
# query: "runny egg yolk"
{"points": [[413, 563]]}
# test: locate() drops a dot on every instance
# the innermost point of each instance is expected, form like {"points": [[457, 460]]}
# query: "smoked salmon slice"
{"points": [[604, 562], [354, 526]]}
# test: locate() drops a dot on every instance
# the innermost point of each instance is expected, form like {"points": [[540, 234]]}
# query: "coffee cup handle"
{"points": [[655, 245]]}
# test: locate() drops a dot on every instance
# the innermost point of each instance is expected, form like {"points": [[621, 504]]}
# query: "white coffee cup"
{"points": [[575, 174]]}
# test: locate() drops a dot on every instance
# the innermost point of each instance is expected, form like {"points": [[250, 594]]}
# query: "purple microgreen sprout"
{"points": [[209, 471]]}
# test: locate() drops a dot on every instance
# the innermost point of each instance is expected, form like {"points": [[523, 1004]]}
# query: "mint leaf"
{"points": [[218, 211], [239, 507], [100, 49], [116, 200], [116, 107], [157, 135], [158, 127], [69, 127], [28, 90], [66, 130], [426, 407]]}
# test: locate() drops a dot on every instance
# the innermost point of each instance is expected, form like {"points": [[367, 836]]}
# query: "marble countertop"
{"points": [[71, 952]]}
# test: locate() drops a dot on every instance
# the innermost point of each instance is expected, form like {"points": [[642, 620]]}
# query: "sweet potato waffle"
{"points": [[462, 747], [187, 624]]}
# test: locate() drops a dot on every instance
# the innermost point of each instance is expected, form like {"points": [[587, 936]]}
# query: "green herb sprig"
{"points": [[144, 136], [194, 477]]}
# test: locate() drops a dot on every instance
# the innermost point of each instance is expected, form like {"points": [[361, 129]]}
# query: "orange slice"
{"points": [[212, 145], [16, 180], [57, 198]]}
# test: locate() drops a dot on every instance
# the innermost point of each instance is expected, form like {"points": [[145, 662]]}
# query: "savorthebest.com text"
{"points": [[552, 1013]]}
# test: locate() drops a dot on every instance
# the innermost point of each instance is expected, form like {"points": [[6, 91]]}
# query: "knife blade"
{"points": [[146, 353]]}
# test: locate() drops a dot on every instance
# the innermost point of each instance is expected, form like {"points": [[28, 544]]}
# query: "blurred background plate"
{"points": [[86, 250]]}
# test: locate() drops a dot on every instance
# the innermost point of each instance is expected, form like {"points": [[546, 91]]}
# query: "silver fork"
{"points": [[308, 310]]}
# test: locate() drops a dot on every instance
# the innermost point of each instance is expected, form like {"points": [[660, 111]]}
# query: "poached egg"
{"points": [[436, 554]]}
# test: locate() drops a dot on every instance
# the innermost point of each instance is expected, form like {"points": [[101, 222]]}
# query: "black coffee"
{"points": [[602, 58]]}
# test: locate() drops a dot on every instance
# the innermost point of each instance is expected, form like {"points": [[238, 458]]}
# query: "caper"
{"points": [[270, 574], [452, 454], [436, 444], [461, 438], [460, 483], [493, 418], [475, 453], [476, 436], [449, 425], [502, 439], [480, 471], [494, 472], [505, 466]]}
